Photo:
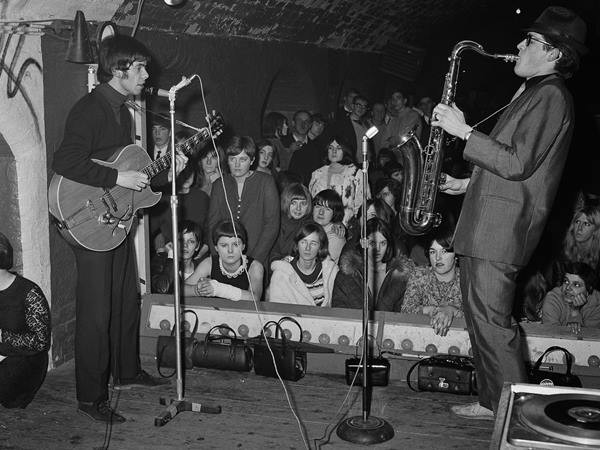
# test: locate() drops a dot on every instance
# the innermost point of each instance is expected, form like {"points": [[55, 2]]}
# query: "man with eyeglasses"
{"points": [[353, 127], [509, 195]]}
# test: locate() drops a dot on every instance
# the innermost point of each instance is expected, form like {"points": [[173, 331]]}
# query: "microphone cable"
{"points": [[301, 426]]}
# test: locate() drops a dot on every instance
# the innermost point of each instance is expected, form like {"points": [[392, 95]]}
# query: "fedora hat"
{"points": [[561, 25]]}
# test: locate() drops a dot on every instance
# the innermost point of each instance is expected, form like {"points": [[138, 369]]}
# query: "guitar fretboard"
{"points": [[186, 147]]}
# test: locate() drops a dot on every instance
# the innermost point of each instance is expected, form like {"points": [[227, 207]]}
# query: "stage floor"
{"points": [[255, 415]]}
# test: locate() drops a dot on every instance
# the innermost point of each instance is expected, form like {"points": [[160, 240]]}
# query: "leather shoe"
{"points": [[100, 411], [473, 411], [142, 379]]}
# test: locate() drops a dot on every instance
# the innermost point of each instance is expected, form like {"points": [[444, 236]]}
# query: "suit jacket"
{"points": [[518, 169]]}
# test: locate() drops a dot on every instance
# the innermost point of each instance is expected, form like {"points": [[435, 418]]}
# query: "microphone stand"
{"points": [[178, 405], [365, 429]]}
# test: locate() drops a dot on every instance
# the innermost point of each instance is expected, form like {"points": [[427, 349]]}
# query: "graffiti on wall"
{"points": [[15, 72]]}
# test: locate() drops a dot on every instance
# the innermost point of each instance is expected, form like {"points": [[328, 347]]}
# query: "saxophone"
{"points": [[422, 166]]}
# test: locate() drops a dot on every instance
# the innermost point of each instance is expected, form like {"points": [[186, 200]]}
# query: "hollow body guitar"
{"points": [[99, 219]]}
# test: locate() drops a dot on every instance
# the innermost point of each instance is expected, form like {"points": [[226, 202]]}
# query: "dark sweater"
{"points": [[92, 131], [257, 209]]}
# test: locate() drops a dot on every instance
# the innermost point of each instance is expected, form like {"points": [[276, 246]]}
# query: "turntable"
{"points": [[531, 416]]}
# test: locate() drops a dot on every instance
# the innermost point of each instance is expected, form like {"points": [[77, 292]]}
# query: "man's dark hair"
{"points": [[568, 63], [119, 53], [225, 228], [189, 226]]}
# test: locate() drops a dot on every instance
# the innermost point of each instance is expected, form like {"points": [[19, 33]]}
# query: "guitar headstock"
{"points": [[215, 123]]}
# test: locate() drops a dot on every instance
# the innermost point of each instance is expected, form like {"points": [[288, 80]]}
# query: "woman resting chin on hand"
{"points": [[230, 274], [576, 303]]}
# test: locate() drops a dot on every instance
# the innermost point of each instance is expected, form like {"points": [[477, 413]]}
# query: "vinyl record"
{"points": [[570, 417]]}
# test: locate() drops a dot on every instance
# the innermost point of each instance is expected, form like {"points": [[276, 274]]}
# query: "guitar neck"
{"points": [[186, 147]]}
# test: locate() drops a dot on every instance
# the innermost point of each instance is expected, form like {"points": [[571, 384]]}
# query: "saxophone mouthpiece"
{"points": [[509, 58]]}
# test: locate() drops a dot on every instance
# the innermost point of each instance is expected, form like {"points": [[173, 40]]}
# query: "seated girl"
{"points": [[328, 211], [307, 276], [576, 302], [24, 334], [435, 290], [387, 277], [296, 211], [161, 268], [230, 273]]}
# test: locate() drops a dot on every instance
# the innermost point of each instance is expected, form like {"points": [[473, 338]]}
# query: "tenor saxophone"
{"points": [[422, 166]]}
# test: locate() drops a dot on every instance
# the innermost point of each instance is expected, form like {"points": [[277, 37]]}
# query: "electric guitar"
{"points": [[99, 219]]}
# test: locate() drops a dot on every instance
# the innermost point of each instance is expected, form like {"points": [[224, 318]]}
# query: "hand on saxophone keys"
{"points": [[451, 120], [453, 186]]}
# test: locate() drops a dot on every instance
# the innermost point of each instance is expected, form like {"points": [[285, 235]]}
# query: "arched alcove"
{"points": [[292, 89], [10, 218]]}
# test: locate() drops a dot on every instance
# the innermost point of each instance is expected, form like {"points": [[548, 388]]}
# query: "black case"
{"points": [[379, 371], [446, 373]]}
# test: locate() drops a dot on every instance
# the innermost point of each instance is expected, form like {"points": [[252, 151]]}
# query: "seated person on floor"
{"points": [[296, 210], [230, 273], [576, 302], [162, 264], [307, 276], [24, 334], [328, 211], [435, 290], [387, 277]]}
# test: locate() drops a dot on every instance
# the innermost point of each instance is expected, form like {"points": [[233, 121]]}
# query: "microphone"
{"points": [[371, 132], [155, 91], [183, 83]]}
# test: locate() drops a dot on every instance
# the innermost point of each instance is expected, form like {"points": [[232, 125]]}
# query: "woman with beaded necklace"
{"points": [[230, 273]]}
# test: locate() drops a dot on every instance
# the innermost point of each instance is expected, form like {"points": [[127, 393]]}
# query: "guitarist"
{"points": [[107, 305]]}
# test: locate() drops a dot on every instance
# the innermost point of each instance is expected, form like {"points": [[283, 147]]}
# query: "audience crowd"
{"points": [[277, 218]]}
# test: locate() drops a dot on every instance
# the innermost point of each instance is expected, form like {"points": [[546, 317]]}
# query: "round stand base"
{"points": [[365, 432]]}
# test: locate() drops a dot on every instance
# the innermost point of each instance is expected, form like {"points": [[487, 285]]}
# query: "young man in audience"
{"points": [[353, 127], [347, 102], [402, 120]]}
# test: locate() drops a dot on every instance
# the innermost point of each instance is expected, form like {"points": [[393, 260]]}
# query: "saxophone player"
{"points": [[509, 195]]}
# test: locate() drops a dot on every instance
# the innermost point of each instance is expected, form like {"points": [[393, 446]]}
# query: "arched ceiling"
{"points": [[363, 25]]}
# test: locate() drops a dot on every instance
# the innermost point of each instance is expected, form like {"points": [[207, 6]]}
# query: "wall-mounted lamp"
{"points": [[80, 49]]}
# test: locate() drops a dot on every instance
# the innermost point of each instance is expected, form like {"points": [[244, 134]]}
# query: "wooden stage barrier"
{"points": [[403, 338]]}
